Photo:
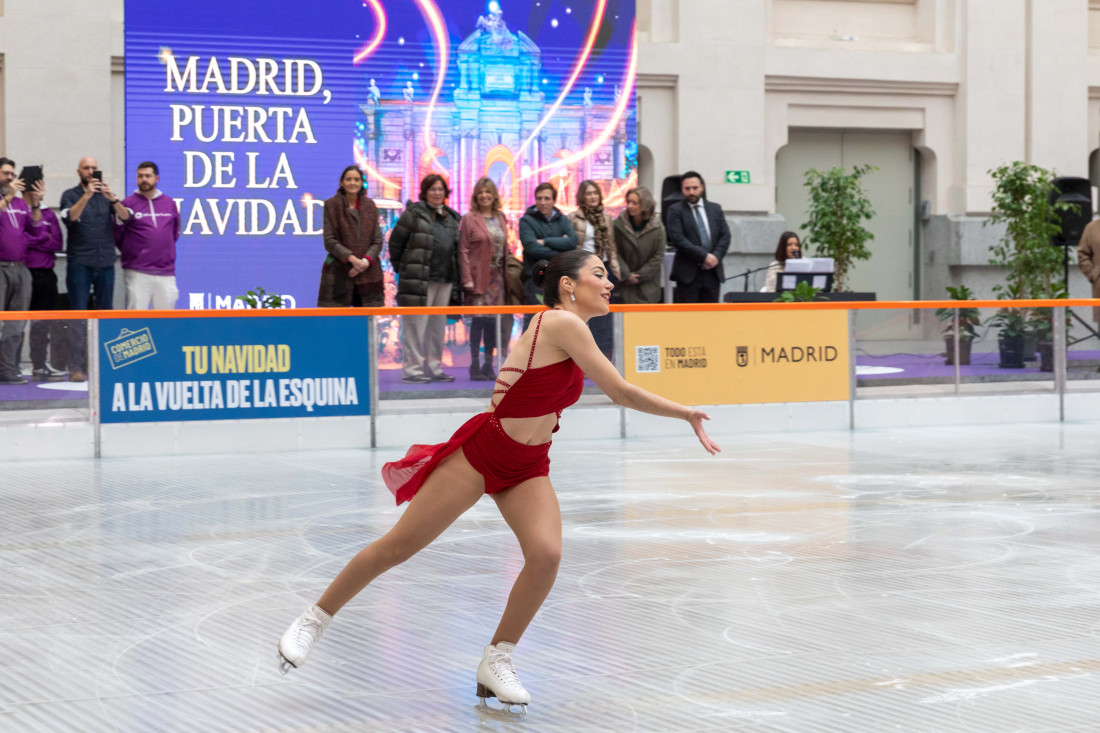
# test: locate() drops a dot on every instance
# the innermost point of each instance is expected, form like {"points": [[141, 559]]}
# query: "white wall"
{"points": [[59, 103], [979, 83]]}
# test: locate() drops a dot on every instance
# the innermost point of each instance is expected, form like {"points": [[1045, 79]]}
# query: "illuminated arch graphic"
{"points": [[578, 66], [616, 115], [564, 172], [365, 166], [501, 154], [617, 195], [432, 160]]}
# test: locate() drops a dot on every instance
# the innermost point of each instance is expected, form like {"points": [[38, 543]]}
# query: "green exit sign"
{"points": [[738, 177]]}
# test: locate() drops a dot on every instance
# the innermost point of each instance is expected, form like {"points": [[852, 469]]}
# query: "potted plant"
{"points": [[838, 206], [803, 292], [1012, 323], [1022, 201], [260, 298], [1041, 324], [969, 320]]}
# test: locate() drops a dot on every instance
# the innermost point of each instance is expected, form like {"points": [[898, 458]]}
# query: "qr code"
{"points": [[647, 359]]}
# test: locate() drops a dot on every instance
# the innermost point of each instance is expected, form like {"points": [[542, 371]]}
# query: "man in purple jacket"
{"points": [[147, 241], [42, 249], [17, 222]]}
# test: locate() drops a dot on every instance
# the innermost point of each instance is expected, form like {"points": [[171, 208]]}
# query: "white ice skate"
{"points": [[299, 639], [496, 677]]}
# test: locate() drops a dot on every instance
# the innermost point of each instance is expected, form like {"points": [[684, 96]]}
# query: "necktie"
{"points": [[704, 236]]}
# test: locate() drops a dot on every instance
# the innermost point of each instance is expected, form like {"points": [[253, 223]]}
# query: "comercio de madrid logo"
{"points": [[130, 346]]}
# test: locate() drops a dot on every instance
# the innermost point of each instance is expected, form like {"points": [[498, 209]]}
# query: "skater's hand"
{"points": [[696, 419]]}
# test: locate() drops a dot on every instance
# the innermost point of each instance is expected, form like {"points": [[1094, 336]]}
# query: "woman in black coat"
{"points": [[424, 255]]}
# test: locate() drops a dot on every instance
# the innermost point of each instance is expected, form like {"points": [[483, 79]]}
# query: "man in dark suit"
{"points": [[698, 231]]}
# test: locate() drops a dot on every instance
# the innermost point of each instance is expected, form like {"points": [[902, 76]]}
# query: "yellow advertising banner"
{"points": [[731, 358]]}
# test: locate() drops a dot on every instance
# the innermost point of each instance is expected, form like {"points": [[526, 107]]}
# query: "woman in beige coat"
{"points": [[1088, 259], [640, 241], [593, 225]]}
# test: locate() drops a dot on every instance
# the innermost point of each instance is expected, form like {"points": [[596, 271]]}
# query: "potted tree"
{"points": [[838, 206], [1022, 201], [969, 320]]}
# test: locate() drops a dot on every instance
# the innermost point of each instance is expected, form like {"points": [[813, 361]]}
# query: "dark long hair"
{"points": [[781, 248], [430, 180], [363, 185], [548, 275]]}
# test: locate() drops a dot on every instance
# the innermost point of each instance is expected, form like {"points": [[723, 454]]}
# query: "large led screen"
{"points": [[252, 109]]}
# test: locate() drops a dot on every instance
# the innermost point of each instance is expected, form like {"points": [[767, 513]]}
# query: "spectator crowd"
{"points": [[143, 227], [439, 257]]}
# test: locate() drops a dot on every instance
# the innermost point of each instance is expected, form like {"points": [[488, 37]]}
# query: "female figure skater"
{"points": [[502, 452]]}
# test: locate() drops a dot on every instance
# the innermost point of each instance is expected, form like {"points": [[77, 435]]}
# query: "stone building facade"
{"points": [[936, 93]]}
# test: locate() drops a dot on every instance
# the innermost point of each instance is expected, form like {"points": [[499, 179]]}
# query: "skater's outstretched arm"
{"points": [[569, 334]]}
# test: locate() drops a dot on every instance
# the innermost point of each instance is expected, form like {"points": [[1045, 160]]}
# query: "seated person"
{"points": [[789, 248]]}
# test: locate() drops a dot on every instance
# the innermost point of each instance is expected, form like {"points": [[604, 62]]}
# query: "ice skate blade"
{"points": [[285, 665], [505, 713]]}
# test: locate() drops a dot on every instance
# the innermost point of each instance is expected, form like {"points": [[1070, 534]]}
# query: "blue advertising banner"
{"points": [[253, 109], [232, 368]]}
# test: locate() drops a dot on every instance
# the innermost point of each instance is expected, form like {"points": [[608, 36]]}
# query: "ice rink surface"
{"points": [[917, 579]]}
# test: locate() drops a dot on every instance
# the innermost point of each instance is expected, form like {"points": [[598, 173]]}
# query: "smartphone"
{"points": [[98, 175], [31, 174]]}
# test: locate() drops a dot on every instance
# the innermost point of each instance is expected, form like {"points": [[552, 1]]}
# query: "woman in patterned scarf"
{"points": [[594, 229]]}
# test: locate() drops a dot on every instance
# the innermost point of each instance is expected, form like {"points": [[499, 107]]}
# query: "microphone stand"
{"points": [[745, 275]]}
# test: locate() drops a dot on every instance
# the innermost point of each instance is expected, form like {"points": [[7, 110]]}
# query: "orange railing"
{"points": [[490, 310]]}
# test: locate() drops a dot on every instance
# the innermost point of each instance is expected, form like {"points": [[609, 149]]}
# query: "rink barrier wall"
{"points": [[827, 412]]}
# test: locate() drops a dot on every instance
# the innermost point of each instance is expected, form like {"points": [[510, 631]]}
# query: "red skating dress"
{"points": [[503, 462]]}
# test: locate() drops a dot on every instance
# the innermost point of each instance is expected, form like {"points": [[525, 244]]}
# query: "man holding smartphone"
{"points": [[18, 224], [147, 242], [88, 211]]}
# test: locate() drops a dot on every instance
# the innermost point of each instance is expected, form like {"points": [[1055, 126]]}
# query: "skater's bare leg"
{"points": [[531, 510], [453, 487]]}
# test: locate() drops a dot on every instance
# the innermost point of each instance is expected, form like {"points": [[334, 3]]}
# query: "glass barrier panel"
{"points": [[911, 353], [43, 371], [441, 357], [900, 353], [1083, 354], [1005, 353], [448, 358]]}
